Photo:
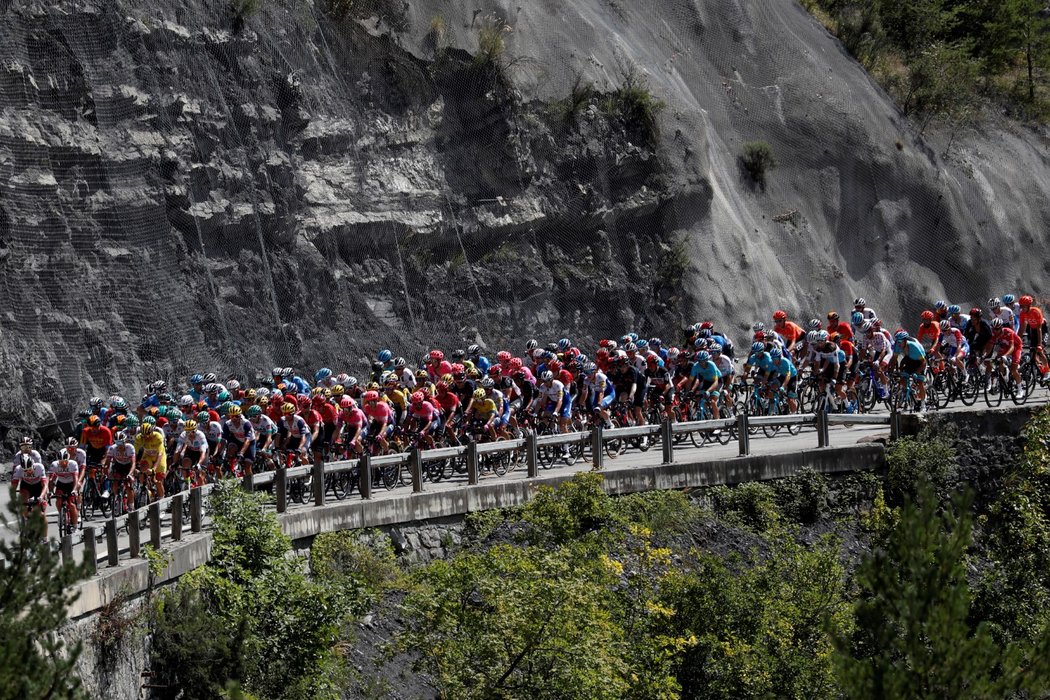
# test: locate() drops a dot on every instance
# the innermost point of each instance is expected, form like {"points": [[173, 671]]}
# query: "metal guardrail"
{"points": [[527, 448]]}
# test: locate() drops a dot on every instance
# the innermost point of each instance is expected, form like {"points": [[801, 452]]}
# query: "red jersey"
{"points": [[98, 437], [843, 329]]}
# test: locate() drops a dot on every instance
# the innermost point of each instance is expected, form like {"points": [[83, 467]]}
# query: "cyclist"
{"points": [[787, 375], [351, 425], [31, 483], [152, 455], [660, 385], [1032, 324], [878, 348], [1007, 345], [953, 347], [860, 305], [630, 386], [978, 332], [265, 430], [97, 438], [929, 331], [552, 396], [239, 436], [841, 327], [706, 380], [295, 433], [827, 365], [64, 478], [482, 414], [1010, 302], [790, 331], [122, 461], [502, 404], [324, 409], [26, 456], [191, 450], [998, 310], [913, 361], [957, 318], [598, 392], [380, 416], [423, 417], [725, 366]]}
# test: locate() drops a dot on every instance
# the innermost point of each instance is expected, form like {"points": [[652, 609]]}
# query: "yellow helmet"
{"points": [[338, 390], [479, 394], [233, 410], [190, 426], [288, 408]]}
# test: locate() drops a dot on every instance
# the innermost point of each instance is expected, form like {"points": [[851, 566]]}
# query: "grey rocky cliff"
{"points": [[181, 190]]}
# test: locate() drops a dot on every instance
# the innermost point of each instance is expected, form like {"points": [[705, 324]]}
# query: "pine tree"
{"points": [[34, 591]]}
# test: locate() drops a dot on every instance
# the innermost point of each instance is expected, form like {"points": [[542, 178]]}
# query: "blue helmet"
{"points": [[385, 356], [197, 379], [322, 374], [656, 342], [954, 309], [776, 354], [857, 318], [703, 356], [564, 344], [757, 347], [900, 336], [642, 343], [940, 304], [1009, 299], [634, 336]]}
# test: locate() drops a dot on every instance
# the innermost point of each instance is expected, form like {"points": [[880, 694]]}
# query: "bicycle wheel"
{"points": [[141, 497], [337, 485], [942, 389], [971, 389], [390, 475], [1018, 392], [993, 391]]}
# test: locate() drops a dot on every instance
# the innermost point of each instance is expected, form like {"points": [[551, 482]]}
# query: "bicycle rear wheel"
{"points": [[993, 391]]}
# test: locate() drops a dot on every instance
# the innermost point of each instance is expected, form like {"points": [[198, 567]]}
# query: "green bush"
{"points": [[928, 458], [757, 160], [491, 41], [570, 511], [752, 504], [634, 104], [362, 565], [803, 497]]}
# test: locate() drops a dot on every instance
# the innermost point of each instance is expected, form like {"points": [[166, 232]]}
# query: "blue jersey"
{"points": [[707, 370], [762, 361], [912, 349], [785, 368]]}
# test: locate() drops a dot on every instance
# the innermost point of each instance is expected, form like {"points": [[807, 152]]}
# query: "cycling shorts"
{"points": [[28, 491], [566, 407], [95, 455], [1013, 358], [706, 384], [120, 469], [607, 400], [639, 395], [791, 388], [65, 488], [912, 368], [193, 456], [1035, 336], [830, 372]]}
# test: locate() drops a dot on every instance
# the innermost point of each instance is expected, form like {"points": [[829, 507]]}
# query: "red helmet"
{"points": [[503, 356], [1026, 300], [604, 343], [927, 316], [458, 368], [603, 352], [442, 386], [417, 397], [565, 376], [554, 366], [495, 371], [573, 352], [346, 402], [707, 325], [304, 401], [370, 396], [975, 311], [437, 355], [515, 363], [780, 315]]}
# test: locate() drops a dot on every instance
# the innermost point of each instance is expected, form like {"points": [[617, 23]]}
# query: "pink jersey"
{"points": [[354, 417], [423, 411], [380, 411]]}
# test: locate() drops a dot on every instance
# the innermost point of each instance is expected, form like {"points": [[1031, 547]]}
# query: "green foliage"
{"points": [[635, 106], [269, 627], [757, 160], [491, 42], [912, 636], [361, 565], [580, 97], [752, 505], [761, 624], [803, 497], [662, 512], [574, 509], [927, 458], [36, 663]]}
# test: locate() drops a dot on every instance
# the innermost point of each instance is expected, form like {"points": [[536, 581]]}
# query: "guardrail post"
{"points": [[176, 516], [66, 548], [280, 480], [364, 476], [742, 436], [112, 545], [318, 480], [530, 455], [823, 436], [154, 525], [415, 466], [134, 533], [248, 482], [90, 551], [196, 510], [472, 462], [667, 440], [895, 424], [597, 448]]}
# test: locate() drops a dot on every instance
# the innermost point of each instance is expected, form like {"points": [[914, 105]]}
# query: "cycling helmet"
{"points": [[780, 315], [900, 336], [129, 421], [822, 336], [714, 349], [261, 392], [495, 371], [1026, 300], [758, 327], [197, 379], [868, 327], [813, 324], [775, 353], [630, 347], [377, 367], [287, 371], [590, 368], [160, 386], [118, 403], [515, 363], [860, 302], [165, 398], [811, 337], [488, 382], [856, 318], [121, 437], [547, 376], [400, 362], [633, 336], [700, 343], [503, 356], [147, 427], [642, 344], [390, 378], [703, 356], [288, 408], [350, 382], [876, 323], [264, 401], [72, 441], [479, 394], [385, 356], [954, 309], [422, 375], [224, 396], [940, 304], [705, 332], [1009, 299], [945, 324], [191, 425], [997, 323], [276, 371], [370, 396], [322, 374], [473, 350], [833, 315], [203, 417], [254, 411], [436, 356], [223, 408], [185, 401], [995, 302], [92, 419], [304, 401], [564, 344], [417, 397], [927, 316], [209, 377], [975, 311], [96, 402], [673, 353], [655, 342], [769, 336], [458, 354], [211, 388], [346, 402], [531, 344], [233, 410]]}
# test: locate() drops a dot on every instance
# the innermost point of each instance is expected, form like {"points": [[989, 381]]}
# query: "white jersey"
{"points": [[408, 378], [596, 383], [32, 474], [80, 457], [959, 322], [264, 425], [878, 343], [554, 392], [724, 364], [121, 454], [1006, 314], [64, 473], [213, 431], [26, 459], [195, 442], [828, 353]]}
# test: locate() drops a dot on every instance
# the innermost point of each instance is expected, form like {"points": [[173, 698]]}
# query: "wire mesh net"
{"points": [[196, 188]]}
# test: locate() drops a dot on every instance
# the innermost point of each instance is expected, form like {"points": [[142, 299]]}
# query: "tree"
{"points": [[913, 638], [34, 591], [1018, 31]]}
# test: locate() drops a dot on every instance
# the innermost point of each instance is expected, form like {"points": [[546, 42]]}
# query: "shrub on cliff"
{"points": [[757, 160]]}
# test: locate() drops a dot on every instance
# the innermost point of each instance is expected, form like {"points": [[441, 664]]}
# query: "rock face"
{"points": [[184, 188]]}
